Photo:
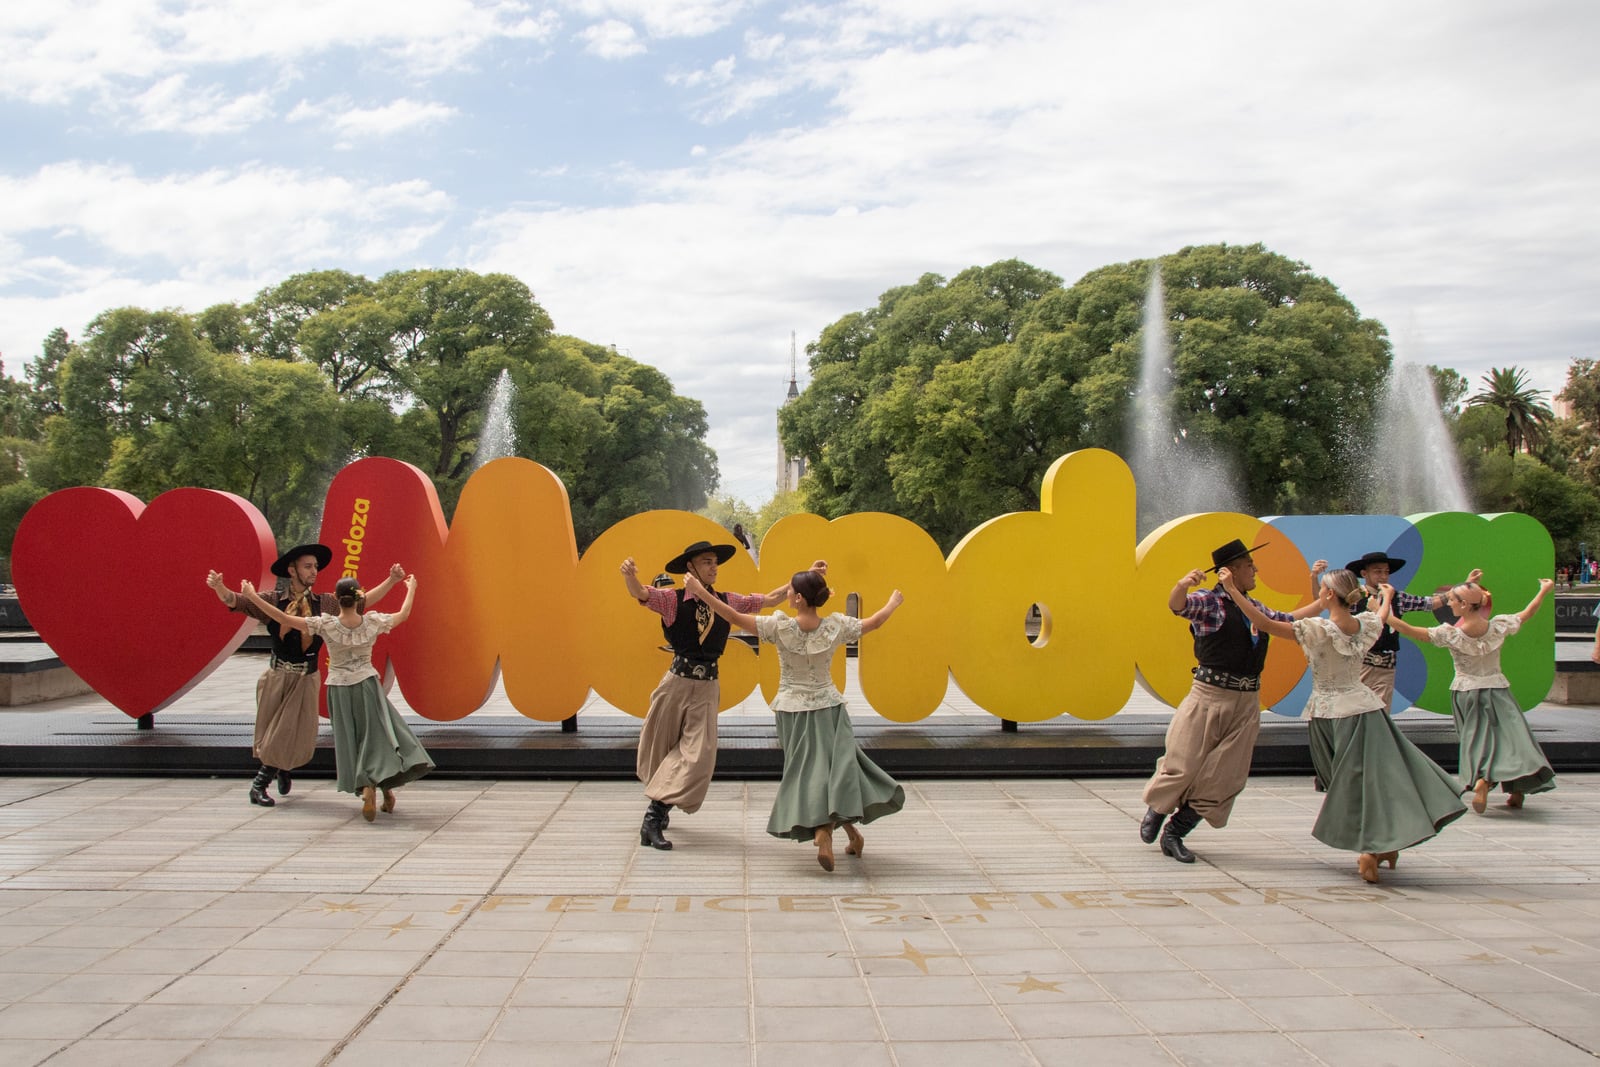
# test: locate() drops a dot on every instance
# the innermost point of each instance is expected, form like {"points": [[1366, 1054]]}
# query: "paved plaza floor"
{"points": [[167, 921]]}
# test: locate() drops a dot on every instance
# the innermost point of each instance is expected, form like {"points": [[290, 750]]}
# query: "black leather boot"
{"points": [[284, 783], [1150, 825], [1183, 820], [258, 788], [650, 830]]}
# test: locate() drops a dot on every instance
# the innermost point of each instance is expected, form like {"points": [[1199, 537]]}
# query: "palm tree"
{"points": [[1526, 414]]}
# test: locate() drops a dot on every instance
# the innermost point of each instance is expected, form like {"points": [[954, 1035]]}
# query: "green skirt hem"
{"points": [[1497, 744], [1384, 794], [826, 777], [372, 745]]}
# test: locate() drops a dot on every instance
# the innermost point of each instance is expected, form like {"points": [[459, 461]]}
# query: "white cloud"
{"points": [[719, 73], [171, 106], [60, 50], [611, 40], [397, 116], [667, 18], [250, 220]]}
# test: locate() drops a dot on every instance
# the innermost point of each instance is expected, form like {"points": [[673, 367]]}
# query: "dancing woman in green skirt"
{"points": [[373, 748], [1497, 747], [1384, 794], [827, 780]]}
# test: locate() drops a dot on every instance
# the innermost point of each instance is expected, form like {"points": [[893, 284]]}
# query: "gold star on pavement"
{"points": [[1031, 984], [1520, 905], [1540, 950], [1485, 957], [916, 956], [403, 924]]}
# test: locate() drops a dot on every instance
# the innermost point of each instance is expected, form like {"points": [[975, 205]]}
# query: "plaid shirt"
{"points": [[1404, 602], [1204, 609], [664, 602]]}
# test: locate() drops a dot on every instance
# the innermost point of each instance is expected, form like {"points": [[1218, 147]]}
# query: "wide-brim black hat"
{"points": [[1220, 557], [679, 564], [322, 553], [1356, 566]]}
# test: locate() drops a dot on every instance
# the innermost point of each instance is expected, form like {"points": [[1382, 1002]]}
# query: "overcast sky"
{"points": [[691, 180]]}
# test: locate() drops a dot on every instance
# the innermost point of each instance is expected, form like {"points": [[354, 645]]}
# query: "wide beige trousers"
{"points": [[678, 742], [286, 719], [1210, 741]]}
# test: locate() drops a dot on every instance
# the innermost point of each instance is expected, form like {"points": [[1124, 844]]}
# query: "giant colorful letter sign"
{"points": [[503, 594]]}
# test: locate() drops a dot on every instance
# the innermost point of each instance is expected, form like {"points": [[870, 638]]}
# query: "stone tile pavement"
{"points": [[166, 921]]}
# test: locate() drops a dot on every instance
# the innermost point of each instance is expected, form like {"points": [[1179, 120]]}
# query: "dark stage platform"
{"points": [[208, 732], [105, 742]]}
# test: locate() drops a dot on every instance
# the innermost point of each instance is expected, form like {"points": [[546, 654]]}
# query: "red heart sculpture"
{"points": [[117, 589]]}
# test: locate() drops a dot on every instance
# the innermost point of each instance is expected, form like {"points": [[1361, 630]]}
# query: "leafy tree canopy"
{"points": [[948, 401], [269, 399]]}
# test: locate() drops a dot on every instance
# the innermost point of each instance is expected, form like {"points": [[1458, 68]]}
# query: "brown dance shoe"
{"points": [[824, 839]]}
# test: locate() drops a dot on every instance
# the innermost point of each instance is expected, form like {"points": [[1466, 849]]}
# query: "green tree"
{"points": [[277, 313], [781, 505], [270, 399], [454, 332], [1519, 405], [946, 403], [1577, 440], [44, 373], [1567, 508], [725, 511], [1450, 387]]}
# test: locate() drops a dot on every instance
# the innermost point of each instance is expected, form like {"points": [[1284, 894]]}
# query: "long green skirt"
{"points": [[826, 776], [1384, 794], [372, 745], [1497, 744]]}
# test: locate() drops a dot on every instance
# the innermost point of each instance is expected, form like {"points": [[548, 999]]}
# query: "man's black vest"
{"points": [[286, 643], [1388, 640], [1229, 648], [691, 635]]}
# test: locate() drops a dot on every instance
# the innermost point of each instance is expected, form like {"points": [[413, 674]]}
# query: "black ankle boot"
{"points": [[666, 813], [258, 788], [1183, 820], [1150, 825], [284, 783], [654, 823]]}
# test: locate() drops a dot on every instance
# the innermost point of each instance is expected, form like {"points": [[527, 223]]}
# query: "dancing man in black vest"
{"points": [[1213, 732], [678, 742], [1378, 663]]}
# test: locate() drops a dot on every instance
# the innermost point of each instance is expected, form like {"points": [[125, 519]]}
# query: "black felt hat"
{"points": [[679, 564], [322, 553], [1356, 566], [1221, 557]]}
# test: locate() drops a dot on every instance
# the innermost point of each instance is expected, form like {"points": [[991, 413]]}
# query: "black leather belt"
{"points": [[704, 670], [1386, 660], [1245, 683], [292, 667]]}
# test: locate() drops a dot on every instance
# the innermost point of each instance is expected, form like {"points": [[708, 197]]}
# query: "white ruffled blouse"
{"points": [[1477, 658], [1335, 658], [804, 681], [350, 647]]}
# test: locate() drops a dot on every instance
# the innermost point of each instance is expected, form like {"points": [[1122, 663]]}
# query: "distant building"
{"points": [[790, 468]]}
